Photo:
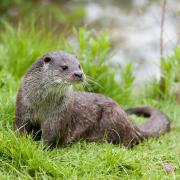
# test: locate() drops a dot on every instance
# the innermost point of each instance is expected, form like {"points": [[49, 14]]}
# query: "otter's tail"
{"points": [[157, 123]]}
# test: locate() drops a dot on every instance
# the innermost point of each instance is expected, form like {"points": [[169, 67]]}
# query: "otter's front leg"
{"points": [[23, 121], [49, 133], [53, 131]]}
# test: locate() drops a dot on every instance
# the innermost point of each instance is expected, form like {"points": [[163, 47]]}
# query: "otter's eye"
{"points": [[79, 66], [64, 67], [47, 59]]}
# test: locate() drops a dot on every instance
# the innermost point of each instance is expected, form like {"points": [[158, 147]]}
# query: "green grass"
{"points": [[23, 158]]}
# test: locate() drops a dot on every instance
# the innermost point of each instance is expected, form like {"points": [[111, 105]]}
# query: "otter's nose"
{"points": [[78, 75]]}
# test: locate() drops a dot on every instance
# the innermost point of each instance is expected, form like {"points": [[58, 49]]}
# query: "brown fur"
{"points": [[46, 102]]}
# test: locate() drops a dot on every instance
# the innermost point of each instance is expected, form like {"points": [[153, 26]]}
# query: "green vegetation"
{"points": [[23, 158]]}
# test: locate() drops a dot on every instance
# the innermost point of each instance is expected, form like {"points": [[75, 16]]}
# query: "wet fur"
{"points": [[64, 115]]}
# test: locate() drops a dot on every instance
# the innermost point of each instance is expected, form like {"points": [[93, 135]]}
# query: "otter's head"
{"points": [[61, 68]]}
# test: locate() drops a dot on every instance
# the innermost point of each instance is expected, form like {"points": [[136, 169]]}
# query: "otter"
{"points": [[46, 102]]}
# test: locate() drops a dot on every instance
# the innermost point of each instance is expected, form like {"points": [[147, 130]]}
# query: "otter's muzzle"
{"points": [[78, 76]]}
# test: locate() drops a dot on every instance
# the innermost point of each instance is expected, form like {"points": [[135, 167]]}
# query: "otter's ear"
{"points": [[47, 59]]}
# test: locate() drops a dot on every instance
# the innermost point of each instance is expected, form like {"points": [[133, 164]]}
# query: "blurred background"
{"points": [[133, 26]]}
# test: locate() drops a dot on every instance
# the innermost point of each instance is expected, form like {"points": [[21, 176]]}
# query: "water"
{"points": [[134, 28]]}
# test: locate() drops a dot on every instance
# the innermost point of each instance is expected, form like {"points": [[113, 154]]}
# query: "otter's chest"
{"points": [[50, 110], [44, 111]]}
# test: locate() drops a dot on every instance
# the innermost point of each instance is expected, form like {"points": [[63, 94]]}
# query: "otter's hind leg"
{"points": [[116, 126]]}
